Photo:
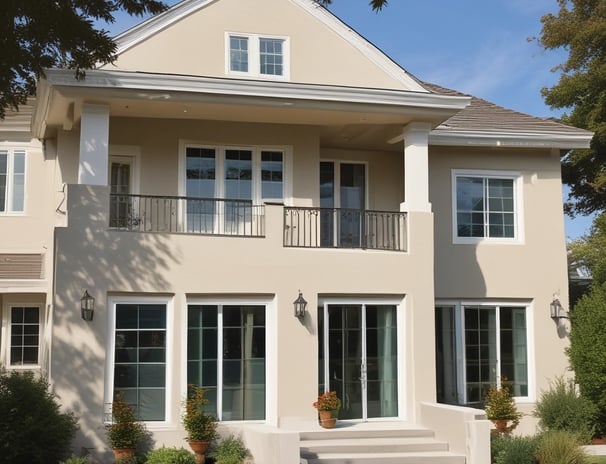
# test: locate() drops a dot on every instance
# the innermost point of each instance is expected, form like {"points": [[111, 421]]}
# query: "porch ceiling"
{"points": [[360, 118]]}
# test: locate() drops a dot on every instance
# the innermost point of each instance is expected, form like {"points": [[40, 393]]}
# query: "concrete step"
{"points": [[372, 444], [433, 457]]}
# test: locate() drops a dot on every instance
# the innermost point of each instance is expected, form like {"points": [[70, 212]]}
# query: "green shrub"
{"points": [[230, 451], [513, 450], [562, 408], [170, 456], [32, 427], [73, 459], [587, 348], [560, 447]]}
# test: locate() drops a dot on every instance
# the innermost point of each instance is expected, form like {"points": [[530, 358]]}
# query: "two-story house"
{"points": [[238, 155]]}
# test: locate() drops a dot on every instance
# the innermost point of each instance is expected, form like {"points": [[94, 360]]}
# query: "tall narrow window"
{"points": [[238, 54], [25, 335], [226, 355], [200, 172], [271, 56], [12, 181], [272, 174], [140, 358]]}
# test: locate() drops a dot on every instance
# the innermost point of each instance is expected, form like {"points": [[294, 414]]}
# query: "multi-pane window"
{"points": [[257, 56], [272, 174], [271, 56], [238, 54], [25, 335], [226, 355], [245, 173], [478, 347], [12, 181], [485, 207], [140, 358]]}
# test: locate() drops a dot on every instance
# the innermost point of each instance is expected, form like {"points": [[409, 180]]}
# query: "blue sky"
{"points": [[479, 47]]}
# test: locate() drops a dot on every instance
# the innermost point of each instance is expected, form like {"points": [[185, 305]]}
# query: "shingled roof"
{"points": [[482, 116]]}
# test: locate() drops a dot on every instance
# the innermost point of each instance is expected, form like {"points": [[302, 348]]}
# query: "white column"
{"points": [[94, 143], [416, 167]]}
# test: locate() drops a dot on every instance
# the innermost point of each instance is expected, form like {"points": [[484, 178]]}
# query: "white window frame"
{"points": [[10, 172], [6, 335], [518, 183], [460, 344], [254, 56], [271, 349], [112, 302], [220, 151]]}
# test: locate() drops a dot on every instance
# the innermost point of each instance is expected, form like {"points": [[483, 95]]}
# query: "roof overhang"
{"points": [[110, 86], [511, 139]]}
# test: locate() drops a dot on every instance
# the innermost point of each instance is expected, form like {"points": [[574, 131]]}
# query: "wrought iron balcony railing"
{"points": [[344, 228], [186, 215]]}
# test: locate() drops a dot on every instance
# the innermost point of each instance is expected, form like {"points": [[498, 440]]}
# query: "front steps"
{"points": [[352, 444]]}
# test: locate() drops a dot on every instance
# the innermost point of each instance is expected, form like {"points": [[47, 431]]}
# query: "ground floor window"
{"points": [[140, 357], [24, 335], [226, 355], [479, 346]]}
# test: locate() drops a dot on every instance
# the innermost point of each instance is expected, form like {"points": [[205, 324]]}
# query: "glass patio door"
{"points": [[358, 358], [343, 199], [120, 180]]}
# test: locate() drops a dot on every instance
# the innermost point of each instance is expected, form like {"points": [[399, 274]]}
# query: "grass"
{"points": [[597, 460]]}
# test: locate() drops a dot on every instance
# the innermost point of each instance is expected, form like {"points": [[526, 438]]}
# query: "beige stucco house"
{"points": [[237, 154]]}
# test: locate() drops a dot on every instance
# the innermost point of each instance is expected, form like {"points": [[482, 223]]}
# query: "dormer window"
{"points": [[257, 56]]}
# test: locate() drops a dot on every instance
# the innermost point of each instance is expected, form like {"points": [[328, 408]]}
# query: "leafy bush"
{"points": [[231, 450], [513, 450], [562, 408], [560, 447], [587, 348], [170, 456], [32, 427]]}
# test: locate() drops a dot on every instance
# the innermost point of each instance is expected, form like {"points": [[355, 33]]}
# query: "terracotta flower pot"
{"points": [[327, 419], [199, 448], [121, 453]]}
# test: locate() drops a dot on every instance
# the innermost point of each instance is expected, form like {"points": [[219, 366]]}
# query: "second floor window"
{"points": [[12, 181], [257, 56], [485, 206]]}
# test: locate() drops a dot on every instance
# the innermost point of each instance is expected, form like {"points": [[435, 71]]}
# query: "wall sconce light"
{"points": [[556, 310], [87, 306], [300, 305]]}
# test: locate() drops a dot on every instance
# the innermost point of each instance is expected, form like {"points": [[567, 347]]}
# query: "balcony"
{"points": [[344, 228], [186, 215]]}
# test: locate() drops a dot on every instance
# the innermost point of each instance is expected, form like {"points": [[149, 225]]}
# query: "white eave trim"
{"points": [[163, 83], [512, 139]]}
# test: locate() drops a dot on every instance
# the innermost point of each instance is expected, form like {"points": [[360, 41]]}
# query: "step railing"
{"points": [[344, 228], [186, 215]]}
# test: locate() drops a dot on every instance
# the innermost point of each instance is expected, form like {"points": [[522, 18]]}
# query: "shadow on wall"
{"points": [[90, 257]]}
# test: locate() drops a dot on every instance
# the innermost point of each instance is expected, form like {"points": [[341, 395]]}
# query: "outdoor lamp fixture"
{"points": [[556, 311], [300, 305], [87, 306]]}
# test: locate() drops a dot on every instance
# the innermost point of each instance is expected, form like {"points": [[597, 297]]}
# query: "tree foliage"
{"points": [[376, 5], [589, 251], [587, 348], [39, 34], [580, 28]]}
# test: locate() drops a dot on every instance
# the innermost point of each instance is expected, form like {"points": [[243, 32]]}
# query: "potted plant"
{"points": [[201, 428], [328, 405], [501, 410], [125, 431]]}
